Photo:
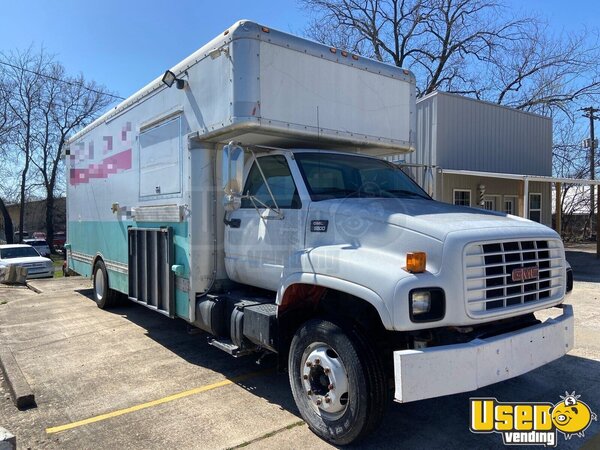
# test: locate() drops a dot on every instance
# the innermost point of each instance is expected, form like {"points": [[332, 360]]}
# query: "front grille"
{"points": [[34, 268], [490, 266], [34, 265]]}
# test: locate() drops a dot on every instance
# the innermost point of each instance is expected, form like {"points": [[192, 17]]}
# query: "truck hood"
{"points": [[423, 216], [26, 261]]}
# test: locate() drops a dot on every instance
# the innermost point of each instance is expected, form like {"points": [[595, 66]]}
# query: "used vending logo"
{"points": [[531, 423]]}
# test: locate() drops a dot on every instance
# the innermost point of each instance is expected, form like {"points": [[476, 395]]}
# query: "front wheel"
{"points": [[103, 295], [337, 380]]}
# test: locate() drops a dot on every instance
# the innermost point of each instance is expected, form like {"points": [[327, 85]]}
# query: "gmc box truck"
{"points": [[244, 192]]}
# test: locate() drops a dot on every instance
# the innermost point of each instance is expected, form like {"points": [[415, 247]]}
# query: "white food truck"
{"points": [[244, 192]]}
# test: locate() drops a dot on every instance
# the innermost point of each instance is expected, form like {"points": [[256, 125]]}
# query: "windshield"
{"points": [[333, 175], [18, 252]]}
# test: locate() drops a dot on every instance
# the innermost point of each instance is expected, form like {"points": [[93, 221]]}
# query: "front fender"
{"points": [[366, 274], [340, 285]]}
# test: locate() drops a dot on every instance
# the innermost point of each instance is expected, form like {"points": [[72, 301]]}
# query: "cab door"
{"points": [[261, 236]]}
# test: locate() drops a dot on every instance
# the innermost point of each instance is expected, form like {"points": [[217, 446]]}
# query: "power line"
{"points": [[62, 81]]}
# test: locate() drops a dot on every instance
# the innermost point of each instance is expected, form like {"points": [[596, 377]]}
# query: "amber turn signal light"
{"points": [[416, 262]]}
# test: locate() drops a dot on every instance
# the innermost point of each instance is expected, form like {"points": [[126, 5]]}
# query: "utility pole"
{"points": [[590, 112]]}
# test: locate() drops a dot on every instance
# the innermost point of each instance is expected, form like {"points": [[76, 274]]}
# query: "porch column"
{"points": [[558, 207], [526, 197]]}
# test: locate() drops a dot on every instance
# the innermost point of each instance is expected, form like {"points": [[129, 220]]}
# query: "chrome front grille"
{"points": [[33, 268], [512, 274]]}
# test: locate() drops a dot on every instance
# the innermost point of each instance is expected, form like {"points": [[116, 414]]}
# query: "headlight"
{"points": [[421, 302], [427, 304]]}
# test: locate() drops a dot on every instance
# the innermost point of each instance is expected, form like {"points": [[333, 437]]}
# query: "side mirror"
{"points": [[233, 176]]}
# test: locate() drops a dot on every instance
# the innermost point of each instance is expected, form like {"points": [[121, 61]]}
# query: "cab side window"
{"points": [[279, 177]]}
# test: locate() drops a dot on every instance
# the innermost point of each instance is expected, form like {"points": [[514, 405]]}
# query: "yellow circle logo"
{"points": [[572, 416]]}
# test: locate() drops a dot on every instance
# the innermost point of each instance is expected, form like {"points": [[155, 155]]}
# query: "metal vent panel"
{"points": [[151, 281], [161, 213]]}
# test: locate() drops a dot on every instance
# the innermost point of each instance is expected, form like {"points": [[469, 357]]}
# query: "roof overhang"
{"points": [[514, 176]]}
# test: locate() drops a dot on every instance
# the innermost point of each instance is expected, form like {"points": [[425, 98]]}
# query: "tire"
{"points": [[326, 359], [103, 296]]}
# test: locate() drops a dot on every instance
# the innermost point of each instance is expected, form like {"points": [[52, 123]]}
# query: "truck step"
{"points": [[229, 347]]}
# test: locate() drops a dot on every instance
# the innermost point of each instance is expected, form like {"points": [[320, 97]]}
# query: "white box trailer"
{"points": [[242, 193]]}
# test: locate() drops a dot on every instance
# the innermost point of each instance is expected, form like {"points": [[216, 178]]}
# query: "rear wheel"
{"points": [[103, 295], [337, 380]]}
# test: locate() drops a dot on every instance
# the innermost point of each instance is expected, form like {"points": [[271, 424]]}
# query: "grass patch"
{"points": [[57, 261]]}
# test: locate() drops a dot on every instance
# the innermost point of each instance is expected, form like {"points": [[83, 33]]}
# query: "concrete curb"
{"points": [[7, 440], [19, 388]]}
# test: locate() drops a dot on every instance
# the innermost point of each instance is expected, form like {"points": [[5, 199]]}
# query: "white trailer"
{"points": [[242, 192]]}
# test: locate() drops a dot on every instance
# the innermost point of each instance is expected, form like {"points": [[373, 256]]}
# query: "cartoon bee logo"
{"points": [[572, 416]]}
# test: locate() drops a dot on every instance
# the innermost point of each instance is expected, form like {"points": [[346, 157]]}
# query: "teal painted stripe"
{"points": [[81, 268], [110, 240], [181, 304], [118, 281]]}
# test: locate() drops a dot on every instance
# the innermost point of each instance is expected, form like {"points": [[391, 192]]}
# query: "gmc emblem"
{"points": [[525, 273]]}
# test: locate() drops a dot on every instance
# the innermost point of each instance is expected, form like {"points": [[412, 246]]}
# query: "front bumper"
{"points": [[450, 369]]}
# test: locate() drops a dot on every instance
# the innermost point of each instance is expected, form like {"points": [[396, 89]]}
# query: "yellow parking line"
{"points": [[160, 401]]}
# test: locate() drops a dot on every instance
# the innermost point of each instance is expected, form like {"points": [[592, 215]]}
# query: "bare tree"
{"points": [[24, 84], [69, 104], [6, 127], [546, 74], [47, 106], [439, 40], [569, 161], [470, 47]]}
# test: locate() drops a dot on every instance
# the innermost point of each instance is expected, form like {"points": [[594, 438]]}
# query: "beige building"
{"points": [[35, 217], [496, 194]]}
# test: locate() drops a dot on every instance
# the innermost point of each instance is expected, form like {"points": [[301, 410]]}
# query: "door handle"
{"points": [[233, 223]]}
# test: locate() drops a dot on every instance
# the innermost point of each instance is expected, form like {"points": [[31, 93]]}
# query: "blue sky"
{"points": [[124, 44]]}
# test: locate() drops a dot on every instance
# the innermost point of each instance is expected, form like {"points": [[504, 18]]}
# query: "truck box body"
{"points": [[142, 164]]}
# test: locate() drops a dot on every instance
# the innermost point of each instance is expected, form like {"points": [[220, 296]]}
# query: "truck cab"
{"points": [[359, 219], [360, 255]]}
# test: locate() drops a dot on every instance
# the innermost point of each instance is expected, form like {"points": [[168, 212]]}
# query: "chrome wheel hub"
{"points": [[325, 380], [99, 285]]}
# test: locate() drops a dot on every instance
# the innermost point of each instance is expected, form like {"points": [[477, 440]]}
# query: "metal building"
{"points": [[456, 133]]}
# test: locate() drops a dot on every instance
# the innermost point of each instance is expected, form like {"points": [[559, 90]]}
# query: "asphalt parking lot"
{"points": [[131, 378]]}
